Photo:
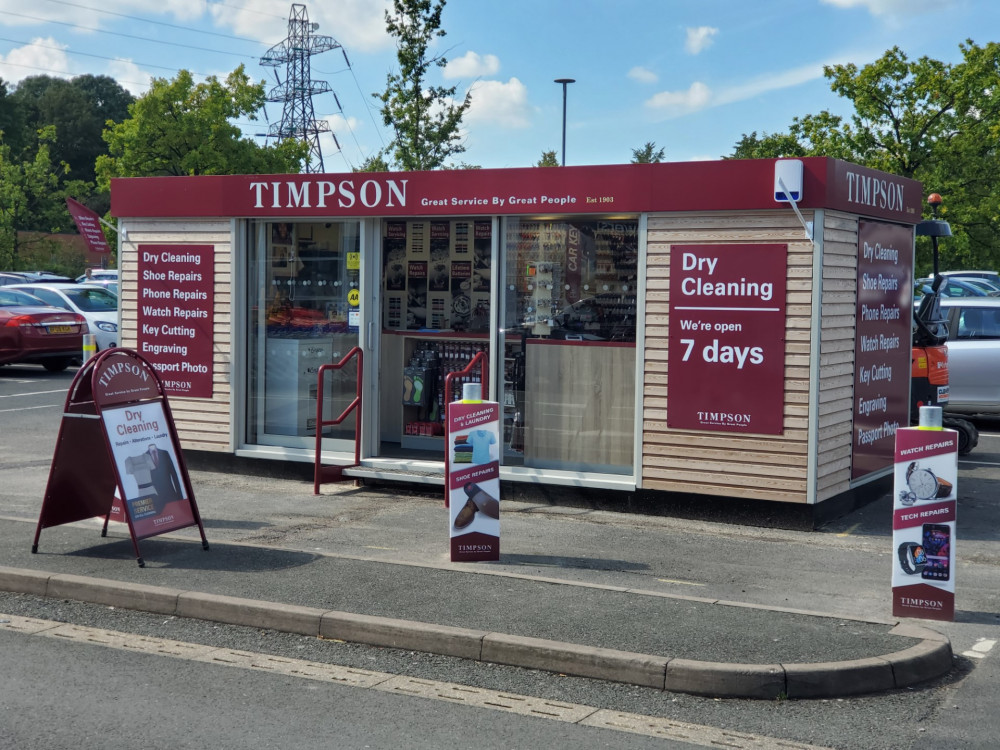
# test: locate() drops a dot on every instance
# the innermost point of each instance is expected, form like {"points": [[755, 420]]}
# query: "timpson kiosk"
{"points": [[738, 329]]}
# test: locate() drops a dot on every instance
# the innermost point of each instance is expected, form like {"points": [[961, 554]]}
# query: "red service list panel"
{"points": [[176, 285]]}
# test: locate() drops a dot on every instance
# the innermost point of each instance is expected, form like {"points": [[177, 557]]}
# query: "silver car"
{"points": [[973, 354]]}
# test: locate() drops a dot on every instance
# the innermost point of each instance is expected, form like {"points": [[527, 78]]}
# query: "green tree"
{"points": [[78, 108], [934, 122], [549, 159], [648, 154], [182, 128], [29, 195], [767, 146], [426, 119]]}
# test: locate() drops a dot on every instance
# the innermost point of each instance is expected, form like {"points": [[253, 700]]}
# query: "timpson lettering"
{"points": [[316, 193], [118, 368], [876, 192]]}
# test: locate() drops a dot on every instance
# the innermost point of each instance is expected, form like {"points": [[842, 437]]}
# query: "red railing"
{"points": [[336, 473], [449, 397]]}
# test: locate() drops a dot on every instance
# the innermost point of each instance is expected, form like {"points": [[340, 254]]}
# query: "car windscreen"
{"points": [[93, 300], [12, 298]]}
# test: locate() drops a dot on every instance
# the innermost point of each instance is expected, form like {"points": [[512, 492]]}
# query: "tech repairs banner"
{"points": [[176, 316], [923, 523], [473, 445], [727, 338]]}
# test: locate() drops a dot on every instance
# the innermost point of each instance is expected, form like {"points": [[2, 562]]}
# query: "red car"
{"points": [[35, 333]]}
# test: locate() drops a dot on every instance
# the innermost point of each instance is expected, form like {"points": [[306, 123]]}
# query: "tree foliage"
{"points": [[549, 159], [426, 119], [648, 154], [78, 108], [934, 122], [29, 194], [179, 127]]}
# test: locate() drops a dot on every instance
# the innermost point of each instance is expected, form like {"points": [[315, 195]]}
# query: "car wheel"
{"points": [[55, 365], [968, 435]]}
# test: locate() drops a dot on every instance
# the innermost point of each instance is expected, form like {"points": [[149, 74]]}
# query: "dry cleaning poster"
{"points": [[726, 367], [148, 469]]}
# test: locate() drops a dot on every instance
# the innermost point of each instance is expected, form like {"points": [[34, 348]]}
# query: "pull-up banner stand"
{"points": [[473, 476], [117, 440]]}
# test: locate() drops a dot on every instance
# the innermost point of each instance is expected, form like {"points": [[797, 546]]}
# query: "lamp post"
{"points": [[565, 82]]}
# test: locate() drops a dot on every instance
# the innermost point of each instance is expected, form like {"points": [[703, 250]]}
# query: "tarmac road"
{"points": [[842, 569]]}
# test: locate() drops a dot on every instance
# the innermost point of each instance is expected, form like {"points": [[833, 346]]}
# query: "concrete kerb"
{"points": [[926, 660]]}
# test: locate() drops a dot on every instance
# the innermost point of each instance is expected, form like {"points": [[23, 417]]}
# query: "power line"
{"points": [[150, 21]]}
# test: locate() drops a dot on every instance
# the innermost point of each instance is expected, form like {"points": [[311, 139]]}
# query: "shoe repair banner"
{"points": [[474, 480], [923, 523]]}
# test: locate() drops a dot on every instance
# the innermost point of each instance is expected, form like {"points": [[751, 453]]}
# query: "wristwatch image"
{"points": [[925, 485], [912, 557]]}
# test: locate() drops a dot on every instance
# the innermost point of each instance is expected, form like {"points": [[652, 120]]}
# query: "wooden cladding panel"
{"points": [[202, 424], [765, 467]]}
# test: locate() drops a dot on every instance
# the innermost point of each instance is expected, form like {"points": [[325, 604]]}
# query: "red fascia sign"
{"points": [[727, 338], [729, 185], [117, 440], [176, 315], [88, 224]]}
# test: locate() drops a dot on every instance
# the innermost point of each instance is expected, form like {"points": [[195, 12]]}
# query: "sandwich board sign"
{"points": [[117, 454]]}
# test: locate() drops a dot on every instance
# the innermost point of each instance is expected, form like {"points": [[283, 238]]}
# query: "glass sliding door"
{"points": [[568, 343], [304, 296]]}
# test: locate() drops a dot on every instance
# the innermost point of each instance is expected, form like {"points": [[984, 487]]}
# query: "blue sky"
{"points": [[691, 77]]}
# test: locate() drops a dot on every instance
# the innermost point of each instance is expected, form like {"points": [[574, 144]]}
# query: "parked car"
{"points": [[97, 305], [99, 274], [32, 332], [991, 276], [973, 354], [8, 278], [110, 284], [954, 286]]}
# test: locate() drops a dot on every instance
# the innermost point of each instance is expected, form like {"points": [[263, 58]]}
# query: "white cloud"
{"points": [[359, 25], [643, 75], [498, 103], [699, 39], [130, 76], [890, 7], [676, 103], [44, 56], [772, 82], [472, 65]]}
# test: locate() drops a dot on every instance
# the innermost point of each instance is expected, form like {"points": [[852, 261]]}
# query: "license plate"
{"points": [[60, 329]]}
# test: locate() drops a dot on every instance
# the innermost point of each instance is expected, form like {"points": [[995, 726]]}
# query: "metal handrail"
{"points": [[336, 472], [484, 359]]}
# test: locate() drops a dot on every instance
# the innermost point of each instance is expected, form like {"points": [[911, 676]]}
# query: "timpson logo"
{"points": [[119, 368], [326, 193], [723, 417], [909, 601]]}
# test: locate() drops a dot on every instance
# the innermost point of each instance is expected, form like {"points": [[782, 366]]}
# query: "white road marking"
{"points": [[451, 693], [35, 393], [29, 408], [982, 647]]}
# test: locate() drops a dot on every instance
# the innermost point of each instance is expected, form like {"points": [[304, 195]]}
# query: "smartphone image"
{"points": [[937, 547]]}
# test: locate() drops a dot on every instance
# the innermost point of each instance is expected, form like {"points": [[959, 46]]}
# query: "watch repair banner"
{"points": [[923, 523], [727, 338], [473, 444]]}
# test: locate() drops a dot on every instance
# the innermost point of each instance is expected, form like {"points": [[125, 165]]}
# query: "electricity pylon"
{"points": [[298, 119]]}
